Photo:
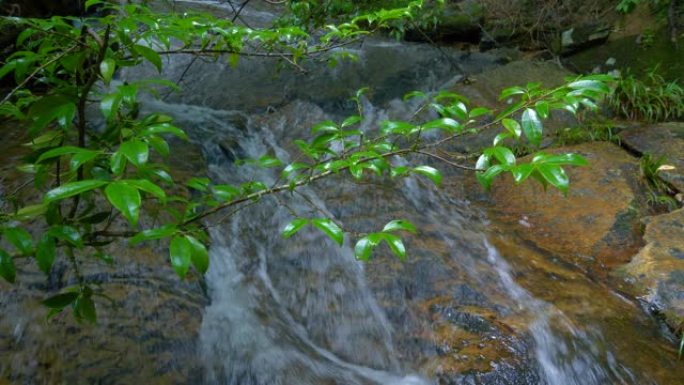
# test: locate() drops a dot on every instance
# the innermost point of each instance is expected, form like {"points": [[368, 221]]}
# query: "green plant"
{"points": [[659, 192], [653, 99], [97, 186], [592, 131]]}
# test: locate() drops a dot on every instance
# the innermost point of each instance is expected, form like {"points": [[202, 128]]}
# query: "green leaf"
{"points": [[487, 177], [447, 124], [542, 108], [126, 199], [508, 92], [107, 68], [163, 128], [294, 226], [82, 158], [326, 126], [522, 172], [151, 55], [364, 247], [594, 85], [512, 126], [396, 245], [20, 238], [109, 105], [350, 121], [224, 192], [555, 175], [503, 154], [51, 108], [30, 212], [268, 162], [570, 159], [399, 224], [148, 187], [117, 163], [180, 253], [84, 308], [136, 151], [60, 301], [430, 172], [74, 188], [479, 111], [152, 234], [199, 255], [399, 128], [532, 126], [330, 229], [199, 184], [7, 269], [159, 145], [67, 234], [45, 253], [63, 150]]}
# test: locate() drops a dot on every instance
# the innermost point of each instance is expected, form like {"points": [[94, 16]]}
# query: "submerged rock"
{"points": [[658, 269], [664, 139]]}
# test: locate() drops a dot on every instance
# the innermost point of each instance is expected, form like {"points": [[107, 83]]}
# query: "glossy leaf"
{"points": [[364, 246], [7, 269], [67, 234], [399, 224], [432, 173], [107, 68], [126, 199], [152, 234], [74, 188], [180, 253], [20, 238], [60, 301], [45, 253], [330, 229], [199, 255], [396, 245], [555, 175], [532, 126], [294, 226], [136, 151]]}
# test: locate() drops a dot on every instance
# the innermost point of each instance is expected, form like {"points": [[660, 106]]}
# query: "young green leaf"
{"points": [[432, 173], [60, 301], [7, 269], [107, 68], [396, 245], [555, 175], [136, 151], [84, 308], [399, 224], [294, 226], [152, 234], [20, 238], [66, 233], [199, 254], [180, 253], [364, 246], [532, 126], [74, 188], [151, 55], [330, 229], [126, 199], [45, 253]]}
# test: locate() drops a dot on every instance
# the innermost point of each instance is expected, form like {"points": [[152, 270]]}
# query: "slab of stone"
{"points": [[596, 226], [658, 269], [664, 139]]}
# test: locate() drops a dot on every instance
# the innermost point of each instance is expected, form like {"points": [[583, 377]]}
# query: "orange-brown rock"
{"points": [[596, 226], [658, 269]]}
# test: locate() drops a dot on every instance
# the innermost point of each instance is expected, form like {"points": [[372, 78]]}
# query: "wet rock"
{"points": [[657, 270], [664, 139], [147, 323], [596, 226], [581, 37], [459, 21]]}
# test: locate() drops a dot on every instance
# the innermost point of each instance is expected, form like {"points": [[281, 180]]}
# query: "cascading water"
{"points": [[304, 310]]}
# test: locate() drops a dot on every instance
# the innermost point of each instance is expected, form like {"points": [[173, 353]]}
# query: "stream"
{"points": [[473, 304]]}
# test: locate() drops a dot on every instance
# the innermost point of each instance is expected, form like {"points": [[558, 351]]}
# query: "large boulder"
{"points": [[596, 226], [657, 270], [459, 20], [664, 139]]}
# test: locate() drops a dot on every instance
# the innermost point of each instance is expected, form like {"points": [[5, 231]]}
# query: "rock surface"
{"points": [[596, 226], [658, 268], [665, 139]]}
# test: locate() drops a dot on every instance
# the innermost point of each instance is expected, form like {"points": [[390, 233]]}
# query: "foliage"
{"points": [[653, 99], [627, 6], [97, 184], [659, 192], [592, 131]]}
